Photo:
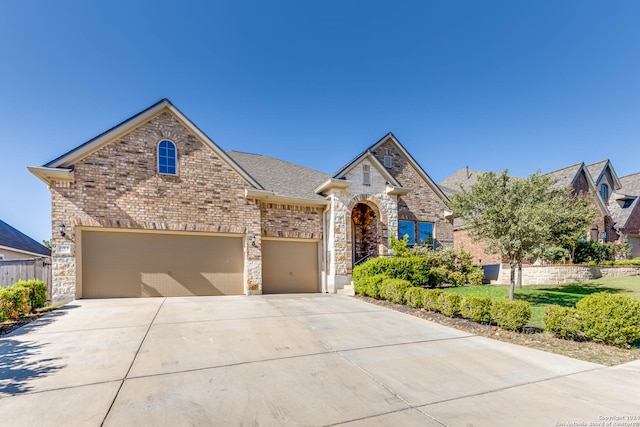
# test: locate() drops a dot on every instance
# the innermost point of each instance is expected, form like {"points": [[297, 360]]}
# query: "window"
{"points": [[604, 191], [627, 203], [407, 228], [388, 162], [167, 155], [425, 234], [366, 174]]}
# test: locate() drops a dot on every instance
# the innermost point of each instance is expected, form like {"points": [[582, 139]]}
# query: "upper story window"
{"points": [[388, 161], [604, 191], [167, 157], [366, 174]]}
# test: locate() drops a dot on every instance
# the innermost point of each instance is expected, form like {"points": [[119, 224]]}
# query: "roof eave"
{"points": [[270, 196], [50, 175], [332, 183]]}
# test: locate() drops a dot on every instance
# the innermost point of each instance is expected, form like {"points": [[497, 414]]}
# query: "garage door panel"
{"points": [[149, 264], [289, 267]]}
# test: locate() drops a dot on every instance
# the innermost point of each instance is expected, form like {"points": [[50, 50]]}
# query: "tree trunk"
{"points": [[519, 274], [512, 284]]}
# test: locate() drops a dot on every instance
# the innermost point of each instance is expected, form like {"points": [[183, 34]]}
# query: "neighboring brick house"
{"points": [[154, 207], [614, 200]]}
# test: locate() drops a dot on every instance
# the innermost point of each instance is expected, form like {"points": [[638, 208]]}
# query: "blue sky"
{"points": [[522, 85]]}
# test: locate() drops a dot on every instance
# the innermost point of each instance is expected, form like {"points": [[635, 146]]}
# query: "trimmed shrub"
{"points": [[15, 302], [414, 269], [610, 318], [449, 303], [476, 307], [372, 285], [414, 296], [509, 314], [394, 289], [563, 322], [439, 275], [37, 292], [475, 276], [456, 278], [430, 298]]}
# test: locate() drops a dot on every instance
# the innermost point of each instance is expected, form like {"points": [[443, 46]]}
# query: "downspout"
{"points": [[325, 289]]}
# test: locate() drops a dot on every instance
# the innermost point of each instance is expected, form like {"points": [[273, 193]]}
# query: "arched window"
{"points": [[604, 191], [167, 155]]}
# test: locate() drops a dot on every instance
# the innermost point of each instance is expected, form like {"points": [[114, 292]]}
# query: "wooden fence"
{"points": [[26, 269]]}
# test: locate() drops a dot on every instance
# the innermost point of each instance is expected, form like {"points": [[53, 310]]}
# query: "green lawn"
{"points": [[565, 295]]}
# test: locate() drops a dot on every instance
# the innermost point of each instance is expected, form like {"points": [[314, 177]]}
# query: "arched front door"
{"points": [[365, 233]]}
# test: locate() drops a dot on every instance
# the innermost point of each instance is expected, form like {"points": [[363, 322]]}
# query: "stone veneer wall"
{"points": [[561, 274], [118, 187]]}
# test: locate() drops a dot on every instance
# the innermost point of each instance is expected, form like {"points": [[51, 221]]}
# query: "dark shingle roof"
{"points": [[595, 169], [464, 177], [14, 239], [630, 187], [283, 178], [565, 176]]}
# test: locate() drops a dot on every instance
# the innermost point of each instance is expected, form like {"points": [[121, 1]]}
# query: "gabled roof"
{"points": [[49, 171], [461, 179], [368, 155], [281, 177], [567, 175], [390, 137], [628, 193], [598, 169], [14, 240]]}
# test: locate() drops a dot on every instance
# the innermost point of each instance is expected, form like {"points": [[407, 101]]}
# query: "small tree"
{"points": [[512, 216]]}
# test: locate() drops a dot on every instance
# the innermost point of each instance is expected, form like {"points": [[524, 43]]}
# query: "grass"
{"points": [[565, 295]]}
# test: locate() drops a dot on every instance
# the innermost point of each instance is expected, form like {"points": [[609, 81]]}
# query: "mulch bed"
{"points": [[533, 338], [11, 325]]}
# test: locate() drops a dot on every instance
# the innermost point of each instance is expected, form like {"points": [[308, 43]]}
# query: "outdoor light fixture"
{"points": [[61, 229], [253, 240]]}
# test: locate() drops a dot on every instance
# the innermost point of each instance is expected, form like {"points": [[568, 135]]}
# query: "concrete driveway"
{"points": [[289, 360]]}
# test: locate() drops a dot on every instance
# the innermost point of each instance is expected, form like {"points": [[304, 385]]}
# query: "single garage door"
{"points": [[117, 264], [289, 266]]}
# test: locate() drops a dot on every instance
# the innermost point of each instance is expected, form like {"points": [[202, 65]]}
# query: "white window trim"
{"points": [[175, 146]]}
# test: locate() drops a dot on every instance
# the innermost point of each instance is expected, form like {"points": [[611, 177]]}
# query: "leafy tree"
{"points": [[512, 216], [47, 243]]}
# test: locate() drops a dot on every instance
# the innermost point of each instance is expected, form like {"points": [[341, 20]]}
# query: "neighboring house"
{"points": [[624, 206], [615, 201], [153, 207], [17, 245], [463, 179]]}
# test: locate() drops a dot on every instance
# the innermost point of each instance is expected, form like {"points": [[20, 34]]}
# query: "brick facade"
{"points": [[118, 187], [112, 183]]}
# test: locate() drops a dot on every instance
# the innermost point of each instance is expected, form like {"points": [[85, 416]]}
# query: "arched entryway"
{"points": [[366, 229]]}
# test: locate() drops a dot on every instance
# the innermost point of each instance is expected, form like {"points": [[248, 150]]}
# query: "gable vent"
{"points": [[388, 161], [366, 175]]}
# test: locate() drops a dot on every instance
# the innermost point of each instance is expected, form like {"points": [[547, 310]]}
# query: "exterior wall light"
{"points": [[61, 229], [253, 240]]}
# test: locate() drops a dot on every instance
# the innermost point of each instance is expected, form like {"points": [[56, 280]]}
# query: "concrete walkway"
{"points": [[288, 360]]}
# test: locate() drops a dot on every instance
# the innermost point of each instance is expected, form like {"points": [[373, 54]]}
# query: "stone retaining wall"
{"points": [[561, 274]]}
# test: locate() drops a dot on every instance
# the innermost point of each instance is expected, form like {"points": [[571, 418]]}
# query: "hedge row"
{"points": [[419, 271], [21, 298], [600, 317], [507, 314]]}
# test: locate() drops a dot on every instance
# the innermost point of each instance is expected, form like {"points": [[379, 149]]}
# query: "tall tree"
{"points": [[514, 215]]}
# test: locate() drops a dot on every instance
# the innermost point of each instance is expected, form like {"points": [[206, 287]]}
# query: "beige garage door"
{"points": [[289, 267], [149, 264]]}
